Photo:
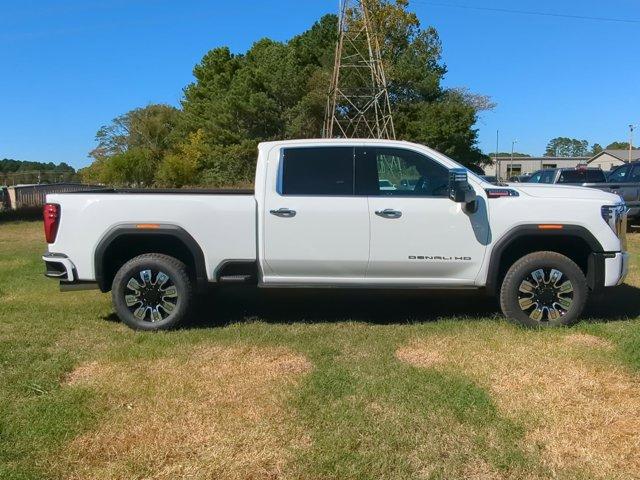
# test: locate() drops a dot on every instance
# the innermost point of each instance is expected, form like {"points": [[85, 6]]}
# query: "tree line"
{"points": [[571, 147], [14, 172], [277, 90], [8, 165]]}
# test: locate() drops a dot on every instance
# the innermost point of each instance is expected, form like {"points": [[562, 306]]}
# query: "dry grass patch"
{"points": [[581, 410], [218, 413]]}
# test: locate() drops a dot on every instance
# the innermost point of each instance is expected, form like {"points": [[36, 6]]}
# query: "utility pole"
{"points": [[513, 146], [358, 103], [497, 162], [631, 128]]}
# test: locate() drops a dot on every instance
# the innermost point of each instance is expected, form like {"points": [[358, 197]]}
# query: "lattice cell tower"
{"points": [[358, 103]]}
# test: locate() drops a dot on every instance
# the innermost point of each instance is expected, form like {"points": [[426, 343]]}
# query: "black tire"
{"points": [[558, 306], [171, 305]]}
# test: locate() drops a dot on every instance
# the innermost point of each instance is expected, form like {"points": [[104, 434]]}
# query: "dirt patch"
{"points": [[590, 341], [220, 413], [580, 411], [84, 374], [420, 357]]}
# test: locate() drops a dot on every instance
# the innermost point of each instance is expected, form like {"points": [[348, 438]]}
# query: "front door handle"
{"points": [[283, 212], [389, 213]]}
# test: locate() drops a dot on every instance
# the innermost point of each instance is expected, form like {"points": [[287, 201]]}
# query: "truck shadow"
{"points": [[378, 307], [620, 303]]}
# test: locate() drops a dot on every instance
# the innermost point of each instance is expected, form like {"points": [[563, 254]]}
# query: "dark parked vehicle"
{"points": [[623, 181], [569, 176]]}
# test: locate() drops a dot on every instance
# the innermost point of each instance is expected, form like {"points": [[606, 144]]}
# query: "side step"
{"points": [[237, 279]]}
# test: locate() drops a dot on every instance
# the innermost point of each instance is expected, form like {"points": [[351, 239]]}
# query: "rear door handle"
{"points": [[389, 213], [283, 212]]}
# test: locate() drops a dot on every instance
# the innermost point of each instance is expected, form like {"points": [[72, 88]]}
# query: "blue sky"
{"points": [[69, 66]]}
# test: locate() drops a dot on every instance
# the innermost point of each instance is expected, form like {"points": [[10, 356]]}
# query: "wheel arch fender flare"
{"points": [[149, 230], [533, 230]]}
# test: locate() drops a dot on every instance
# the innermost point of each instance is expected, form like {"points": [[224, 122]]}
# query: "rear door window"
{"points": [[317, 171]]}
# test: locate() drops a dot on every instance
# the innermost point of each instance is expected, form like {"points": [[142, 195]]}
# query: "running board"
{"points": [[237, 279]]}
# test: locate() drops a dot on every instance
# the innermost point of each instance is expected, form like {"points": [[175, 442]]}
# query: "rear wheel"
{"points": [[152, 292], [544, 289]]}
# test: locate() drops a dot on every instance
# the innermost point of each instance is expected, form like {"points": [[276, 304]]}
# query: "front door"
{"points": [[315, 229], [418, 235]]}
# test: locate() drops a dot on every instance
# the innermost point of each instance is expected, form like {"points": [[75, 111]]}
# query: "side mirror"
{"points": [[459, 189]]}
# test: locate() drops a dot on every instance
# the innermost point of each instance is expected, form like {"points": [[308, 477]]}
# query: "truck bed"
{"points": [[222, 222]]}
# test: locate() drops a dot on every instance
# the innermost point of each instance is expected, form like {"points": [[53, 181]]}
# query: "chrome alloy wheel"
{"points": [[152, 297], [545, 295]]}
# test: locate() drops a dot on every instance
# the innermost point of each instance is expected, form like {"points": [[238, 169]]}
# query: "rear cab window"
{"points": [[581, 176], [317, 171]]}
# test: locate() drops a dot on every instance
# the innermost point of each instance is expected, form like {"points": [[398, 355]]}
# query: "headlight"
{"points": [[616, 218]]}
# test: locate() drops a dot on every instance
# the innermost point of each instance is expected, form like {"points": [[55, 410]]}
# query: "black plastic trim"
{"points": [[166, 229], [530, 231], [250, 265], [55, 270]]}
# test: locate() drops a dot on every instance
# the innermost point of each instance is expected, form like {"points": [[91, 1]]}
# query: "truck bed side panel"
{"points": [[223, 225]]}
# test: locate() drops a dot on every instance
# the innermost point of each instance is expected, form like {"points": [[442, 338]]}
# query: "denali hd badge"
{"points": [[440, 258]]}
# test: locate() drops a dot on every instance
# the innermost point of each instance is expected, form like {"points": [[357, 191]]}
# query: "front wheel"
{"points": [[544, 289], [152, 292]]}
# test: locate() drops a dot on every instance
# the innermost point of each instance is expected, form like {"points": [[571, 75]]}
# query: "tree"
{"points": [[596, 149], [567, 147], [132, 146], [278, 90], [180, 168], [620, 146]]}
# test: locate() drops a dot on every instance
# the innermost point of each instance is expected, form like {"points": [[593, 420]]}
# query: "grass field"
{"points": [[318, 385]]}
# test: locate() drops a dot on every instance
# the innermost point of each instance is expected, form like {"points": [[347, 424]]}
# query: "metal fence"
{"points": [[28, 196]]}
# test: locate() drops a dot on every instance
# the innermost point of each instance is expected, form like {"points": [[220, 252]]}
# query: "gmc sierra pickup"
{"points": [[342, 213]]}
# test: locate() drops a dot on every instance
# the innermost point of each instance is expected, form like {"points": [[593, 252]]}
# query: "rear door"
{"points": [[315, 228], [418, 235]]}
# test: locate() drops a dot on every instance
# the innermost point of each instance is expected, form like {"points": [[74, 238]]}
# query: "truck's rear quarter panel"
{"points": [[224, 226]]}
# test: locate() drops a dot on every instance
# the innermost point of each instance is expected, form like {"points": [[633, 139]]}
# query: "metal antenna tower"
{"points": [[358, 103]]}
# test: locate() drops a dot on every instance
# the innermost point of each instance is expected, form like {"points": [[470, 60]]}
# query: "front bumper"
{"points": [[616, 268]]}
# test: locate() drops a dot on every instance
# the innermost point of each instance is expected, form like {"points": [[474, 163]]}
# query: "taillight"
{"points": [[51, 215]]}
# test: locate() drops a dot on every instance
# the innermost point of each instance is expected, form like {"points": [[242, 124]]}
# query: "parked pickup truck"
{"points": [[623, 181], [319, 218], [568, 176]]}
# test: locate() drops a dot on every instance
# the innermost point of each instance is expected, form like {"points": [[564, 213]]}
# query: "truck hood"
{"points": [[561, 191]]}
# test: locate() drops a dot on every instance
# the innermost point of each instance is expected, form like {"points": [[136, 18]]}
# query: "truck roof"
{"points": [[337, 141]]}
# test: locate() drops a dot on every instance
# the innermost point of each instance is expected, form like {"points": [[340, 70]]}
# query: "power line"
{"points": [[530, 12]]}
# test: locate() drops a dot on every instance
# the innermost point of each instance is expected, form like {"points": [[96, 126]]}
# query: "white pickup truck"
{"points": [[342, 213]]}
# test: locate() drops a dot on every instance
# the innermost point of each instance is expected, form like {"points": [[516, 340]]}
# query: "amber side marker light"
{"points": [[550, 227], [148, 226]]}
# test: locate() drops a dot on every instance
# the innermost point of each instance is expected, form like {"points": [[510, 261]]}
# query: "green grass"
{"points": [[360, 411]]}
